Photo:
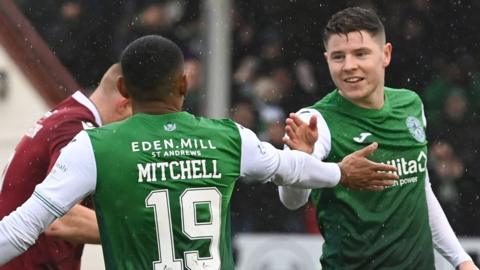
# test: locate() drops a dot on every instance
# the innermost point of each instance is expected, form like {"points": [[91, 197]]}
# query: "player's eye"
{"points": [[361, 54], [337, 57]]}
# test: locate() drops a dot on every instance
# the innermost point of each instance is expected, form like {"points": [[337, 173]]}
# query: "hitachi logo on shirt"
{"points": [[408, 167]]}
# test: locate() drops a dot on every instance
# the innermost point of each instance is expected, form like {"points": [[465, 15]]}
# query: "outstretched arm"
{"points": [[15, 235], [263, 162], [357, 171], [79, 225]]}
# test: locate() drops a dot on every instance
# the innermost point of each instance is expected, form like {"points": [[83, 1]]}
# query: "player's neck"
{"points": [[374, 101], [155, 107]]}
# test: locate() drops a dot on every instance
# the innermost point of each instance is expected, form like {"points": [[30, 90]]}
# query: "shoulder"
{"points": [[75, 108], [402, 96], [401, 93], [69, 113], [105, 130], [326, 101], [214, 122], [61, 124], [218, 125]]}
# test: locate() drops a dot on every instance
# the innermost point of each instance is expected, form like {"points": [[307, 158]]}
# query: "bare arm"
{"points": [[467, 265], [79, 225]]}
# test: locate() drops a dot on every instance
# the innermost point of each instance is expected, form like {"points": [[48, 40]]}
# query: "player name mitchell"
{"points": [[178, 170]]}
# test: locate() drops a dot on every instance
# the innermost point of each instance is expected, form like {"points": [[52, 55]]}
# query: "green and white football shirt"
{"points": [[375, 230], [163, 191]]}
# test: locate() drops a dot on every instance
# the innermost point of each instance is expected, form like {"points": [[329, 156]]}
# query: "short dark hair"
{"points": [[353, 19], [150, 65]]}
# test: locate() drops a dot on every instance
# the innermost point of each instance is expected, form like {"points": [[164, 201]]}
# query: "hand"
{"points": [[79, 225], [468, 265], [300, 135], [360, 173]]}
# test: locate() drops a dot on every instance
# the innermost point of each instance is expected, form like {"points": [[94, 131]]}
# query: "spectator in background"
{"points": [[177, 20], [244, 113], [81, 36], [256, 207], [267, 96], [194, 72], [455, 158], [448, 169]]}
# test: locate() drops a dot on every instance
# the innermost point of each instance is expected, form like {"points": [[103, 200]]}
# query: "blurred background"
{"points": [[268, 57]]}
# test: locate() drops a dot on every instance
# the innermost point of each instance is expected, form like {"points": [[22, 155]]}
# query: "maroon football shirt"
{"points": [[30, 164]]}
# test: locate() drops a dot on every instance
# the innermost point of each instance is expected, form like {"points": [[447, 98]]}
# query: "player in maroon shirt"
{"points": [[62, 244]]}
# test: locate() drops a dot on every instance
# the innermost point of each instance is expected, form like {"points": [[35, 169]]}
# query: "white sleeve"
{"points": [[71, 179], [444, 239], [262, 161], [16, 235], [294, 198]]}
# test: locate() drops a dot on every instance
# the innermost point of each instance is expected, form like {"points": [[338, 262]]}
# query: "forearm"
{"points": [[293, 198], [79, 225], [21, 228], [306, 172]]}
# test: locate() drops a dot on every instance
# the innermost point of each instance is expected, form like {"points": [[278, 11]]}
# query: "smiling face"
{"points": [[357, 63]]}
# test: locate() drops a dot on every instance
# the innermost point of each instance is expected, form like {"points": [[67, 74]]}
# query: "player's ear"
{"points": [[183, 85], [124, 107], [325, 54], [122, 88], [387, 54]]}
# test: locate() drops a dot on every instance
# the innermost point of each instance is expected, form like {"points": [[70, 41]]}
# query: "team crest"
{"points": [[169, 126], [416, 129]]}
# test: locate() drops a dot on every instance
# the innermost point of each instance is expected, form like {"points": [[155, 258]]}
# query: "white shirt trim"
{"points": [[85, 101]]}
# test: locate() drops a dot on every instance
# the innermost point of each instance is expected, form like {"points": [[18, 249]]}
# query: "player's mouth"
{"points": [[353, 80]]}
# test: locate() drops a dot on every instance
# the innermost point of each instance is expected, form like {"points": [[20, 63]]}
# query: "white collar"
{"points": [[85, 101]]}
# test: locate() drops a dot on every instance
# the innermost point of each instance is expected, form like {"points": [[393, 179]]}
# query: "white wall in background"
{"points": [[19, 110], [302, 252]]}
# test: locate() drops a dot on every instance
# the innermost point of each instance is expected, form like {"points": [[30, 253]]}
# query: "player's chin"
{"points": [[353, 93]]}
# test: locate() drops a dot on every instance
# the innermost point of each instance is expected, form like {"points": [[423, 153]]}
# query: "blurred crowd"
{"points": [[278, 67]]}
